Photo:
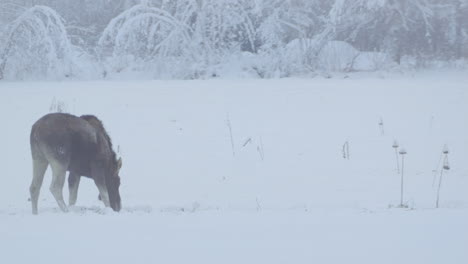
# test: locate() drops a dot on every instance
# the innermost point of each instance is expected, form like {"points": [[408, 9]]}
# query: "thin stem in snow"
{"points": [[445, 151], [402, 179], [381, 125], [345, 150], [402, 153], [397, 161], [228, 123], [395, 146], [438, 189], [437, 169], [446, 166], [260, 149]]}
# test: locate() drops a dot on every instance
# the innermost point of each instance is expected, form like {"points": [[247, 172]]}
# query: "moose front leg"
{"points": [[73, 183], [99, 176], [101, 185]]}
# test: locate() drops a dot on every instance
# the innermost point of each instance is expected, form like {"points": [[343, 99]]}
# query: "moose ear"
{"points": [[119, 163]]}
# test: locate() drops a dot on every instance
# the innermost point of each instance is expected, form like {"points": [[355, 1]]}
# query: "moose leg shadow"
{"points": [[58, 181]]}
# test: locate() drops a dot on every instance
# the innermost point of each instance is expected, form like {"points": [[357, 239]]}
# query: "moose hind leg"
{"points": [[56, 187], [73, 183], [39, 169]]}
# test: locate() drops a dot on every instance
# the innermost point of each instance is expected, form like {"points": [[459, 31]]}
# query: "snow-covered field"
{"points": [[281, 192]]}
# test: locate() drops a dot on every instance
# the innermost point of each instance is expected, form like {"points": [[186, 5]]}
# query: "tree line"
{"points": [[204, 38]]}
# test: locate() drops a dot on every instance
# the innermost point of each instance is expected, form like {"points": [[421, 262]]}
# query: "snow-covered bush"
{"points": [[275, 63], [282, 21], [341, 56], [301, 54], [36, 46], [337, 56], [286, 34], [238, 65], [185, 39], [295, 58], [223, 25], [373, 61], [144, 32], [143, 35]]}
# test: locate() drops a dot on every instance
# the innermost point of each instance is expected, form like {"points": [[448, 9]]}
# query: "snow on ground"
{"points": [[286, 195]]}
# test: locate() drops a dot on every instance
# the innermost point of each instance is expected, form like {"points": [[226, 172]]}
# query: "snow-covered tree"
{"points": [[283, 21], [202, 33], [400, 27], [221, 29], [144, 32], [218, 24], [36, 45], [450, 23], [285, 32], [9, 10]]}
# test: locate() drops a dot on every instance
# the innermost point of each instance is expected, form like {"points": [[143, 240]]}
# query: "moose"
{"points": [[79, 145]]}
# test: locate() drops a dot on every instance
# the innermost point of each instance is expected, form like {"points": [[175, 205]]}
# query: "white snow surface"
{"points": [[286, 195]]}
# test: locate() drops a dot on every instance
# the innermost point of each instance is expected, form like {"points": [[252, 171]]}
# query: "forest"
{"points": [[199, 39]]}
